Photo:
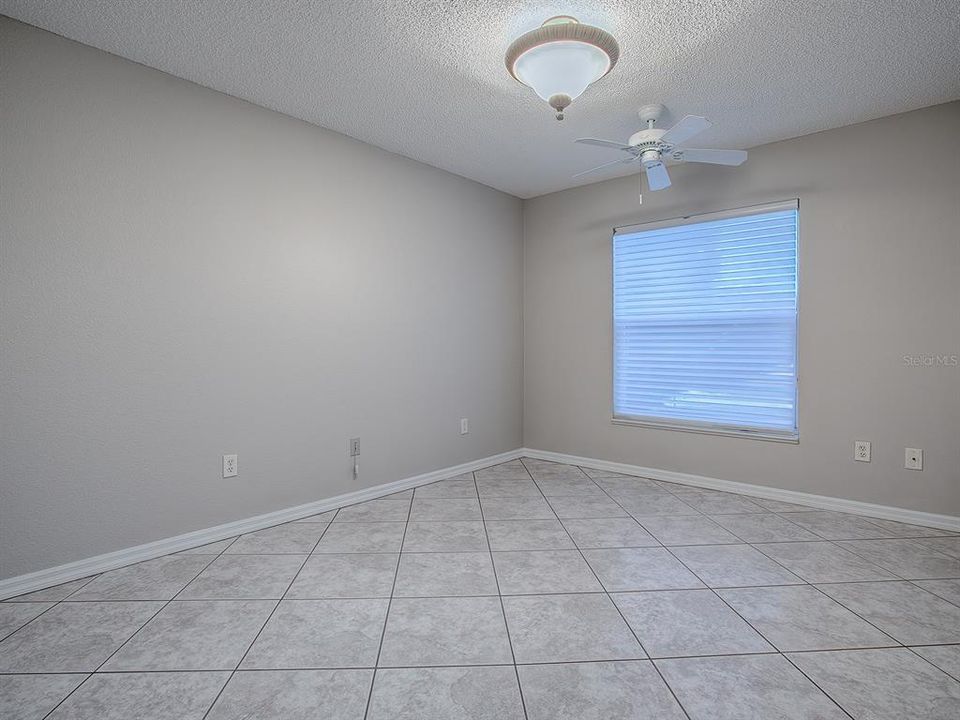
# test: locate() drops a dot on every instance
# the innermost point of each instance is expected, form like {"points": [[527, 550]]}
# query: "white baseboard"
{"points": [[885, 512], [11, 587]]}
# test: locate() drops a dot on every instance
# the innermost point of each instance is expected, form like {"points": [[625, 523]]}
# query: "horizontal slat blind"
{"points": [[705, 318]]}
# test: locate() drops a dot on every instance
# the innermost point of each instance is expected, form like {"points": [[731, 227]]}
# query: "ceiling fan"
{"points": [[651, 146]]}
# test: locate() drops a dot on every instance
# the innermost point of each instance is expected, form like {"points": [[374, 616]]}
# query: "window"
{"points": [[705, 322]]}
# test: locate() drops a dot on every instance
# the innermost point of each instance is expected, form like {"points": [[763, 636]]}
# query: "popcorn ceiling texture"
{"points": [[425, 78]]}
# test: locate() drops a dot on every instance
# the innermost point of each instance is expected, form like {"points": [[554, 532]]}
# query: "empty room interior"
{"points": [[463, 360]]}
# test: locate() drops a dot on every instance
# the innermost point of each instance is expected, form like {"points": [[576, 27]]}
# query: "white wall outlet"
{"points": [[354, 447], [229, 466], [464, 426], [913, 458], [861, 451]]}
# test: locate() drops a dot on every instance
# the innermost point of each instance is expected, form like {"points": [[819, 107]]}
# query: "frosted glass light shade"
{"points": [[561, 68], [561, 58]]}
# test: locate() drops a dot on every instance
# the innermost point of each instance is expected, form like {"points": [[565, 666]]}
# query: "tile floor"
{"points": [[529, 590]]}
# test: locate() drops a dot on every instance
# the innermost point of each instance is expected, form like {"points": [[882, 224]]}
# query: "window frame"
{"points": [[700, 426]]}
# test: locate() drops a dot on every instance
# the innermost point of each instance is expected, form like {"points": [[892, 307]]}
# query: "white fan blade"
{"points": [[685, 129], [604, 166], [715, 157], [604, 143], [657, 176]]}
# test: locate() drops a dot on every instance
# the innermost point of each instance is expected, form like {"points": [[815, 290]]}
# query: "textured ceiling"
{"points": [[425, 78]]}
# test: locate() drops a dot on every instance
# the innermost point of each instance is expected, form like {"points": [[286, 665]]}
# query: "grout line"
{"points": [[386, 617], [503, 610], [734, 610], [257, 636], [911, 541], [738, 541], [53, 603], [896, 578], [617, 607], [657, 543], [134, 633], [766, 639], [855, 613], [515, 594], [520, 664], [916, 583]]}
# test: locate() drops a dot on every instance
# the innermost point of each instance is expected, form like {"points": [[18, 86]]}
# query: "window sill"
{"points": [[747, 433]]}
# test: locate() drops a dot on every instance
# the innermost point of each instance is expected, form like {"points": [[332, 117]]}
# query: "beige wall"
{"points": [[879, 279], [183, 275]]}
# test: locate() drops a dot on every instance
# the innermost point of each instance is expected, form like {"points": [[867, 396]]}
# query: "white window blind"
{"points": [[705, 321]]}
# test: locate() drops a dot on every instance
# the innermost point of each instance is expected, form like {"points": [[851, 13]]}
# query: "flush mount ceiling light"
{"points": [[561, 58]]}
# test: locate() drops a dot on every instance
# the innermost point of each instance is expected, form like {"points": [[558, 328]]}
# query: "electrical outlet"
{"points": [[354, 447], [861, 451], [913, 458], [229, 466], [464, 426]]}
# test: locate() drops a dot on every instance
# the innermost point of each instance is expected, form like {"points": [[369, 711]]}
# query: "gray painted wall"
{"points": [[183, 275], [880, 279]]}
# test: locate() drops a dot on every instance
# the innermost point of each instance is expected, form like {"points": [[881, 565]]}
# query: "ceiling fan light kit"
{"points": [[561, 58]]}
